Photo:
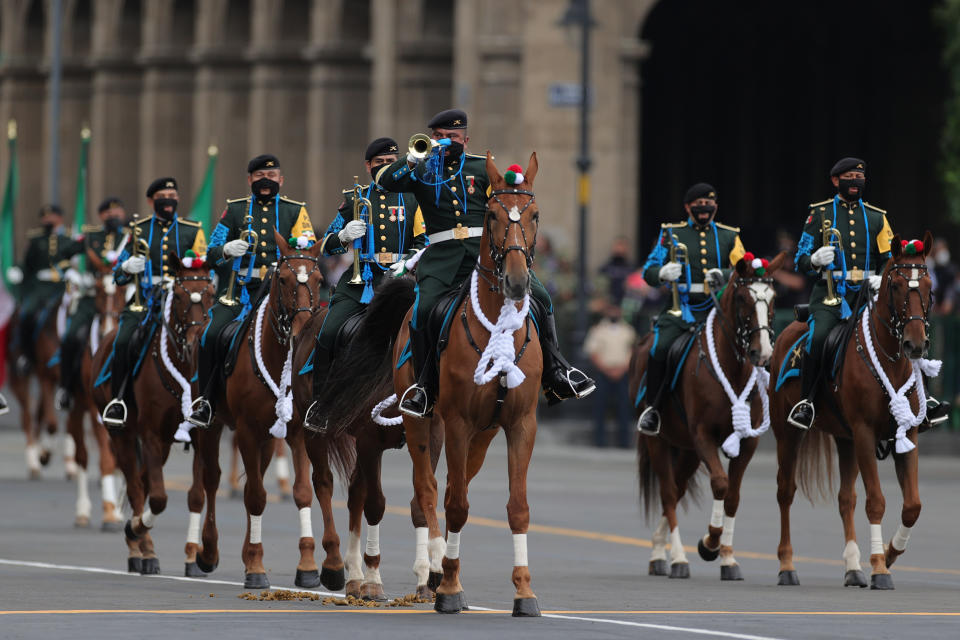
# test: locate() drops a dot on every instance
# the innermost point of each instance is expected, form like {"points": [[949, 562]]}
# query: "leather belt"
{"points": [[853, 275], [460, 233], [386, 258]]}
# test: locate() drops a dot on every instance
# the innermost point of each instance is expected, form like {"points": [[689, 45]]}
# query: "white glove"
{"points": [[235, 248], [134, 265], [352, 230], [714, 278], [73, 277], [412, 159], [822, 256], [15, 275], [875, 281], [398, 268], [670, 272]]}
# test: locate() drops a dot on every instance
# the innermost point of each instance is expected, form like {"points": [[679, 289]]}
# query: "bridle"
{"points": [[901, 318], [498, 254], [281, 317], [178, 332], [742, 331]]}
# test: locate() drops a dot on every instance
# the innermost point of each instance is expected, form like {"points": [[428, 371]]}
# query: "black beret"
{"points": [[51, 208], [699, 190], [848, 164], [109, 203], [381, 147], [449, 119], [161, 183], [264, 161]]}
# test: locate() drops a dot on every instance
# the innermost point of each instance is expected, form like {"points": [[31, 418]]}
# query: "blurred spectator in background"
{"points": [[617, 268], [789, 285], [640, 302], [609, 344], [943, 272], [556, 273]]}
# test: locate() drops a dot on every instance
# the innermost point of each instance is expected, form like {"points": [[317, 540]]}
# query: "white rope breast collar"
{"points": [[899, 403], [186, 396], [739, 408], [282, 392], [95, 335], [500, 354]]}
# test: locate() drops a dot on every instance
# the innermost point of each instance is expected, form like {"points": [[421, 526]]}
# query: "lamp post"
{"points": [[578, 15], [56, 26]]}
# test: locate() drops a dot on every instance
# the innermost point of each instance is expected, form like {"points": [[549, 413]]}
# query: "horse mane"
{"points": [[366, 364]]}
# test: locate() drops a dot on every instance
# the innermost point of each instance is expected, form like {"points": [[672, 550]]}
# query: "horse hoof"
{"points": [[150, 566], [424, 592], [526, 608], [134, 565], [657, 568], [372, 592], [449, 603], [731, 572], [34, 474], [191, 570], [82, 522], [881, 581], [256, 581], [236, 494], [854, 578], [307, 579], [203, 566], [111, 527], [706, 553], [433, 581], [788, 578], [353, 588], [45, 458], [680, 570], [332, 579]]}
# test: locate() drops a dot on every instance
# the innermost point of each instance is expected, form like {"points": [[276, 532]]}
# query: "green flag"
{"points": [[7, 258], [80, 204], [202, 208]]}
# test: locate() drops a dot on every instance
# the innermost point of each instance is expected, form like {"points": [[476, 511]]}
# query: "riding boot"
{"points": [[561, 380], [201, 410], [803, 413], [70, 362], [418, 399], [4, 406], [314, 419], [649, 422]]}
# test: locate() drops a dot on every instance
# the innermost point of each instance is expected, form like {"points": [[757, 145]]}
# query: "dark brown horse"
{"points": [[884, 353], [720, 384], [143, 445]]}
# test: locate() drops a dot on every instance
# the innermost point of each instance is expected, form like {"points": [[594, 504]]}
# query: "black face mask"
{"points": [[112, 225], [846, 183], [376, 167], [702, 212], [160, 204], [265, 183], [454, 151], [48, 228]]}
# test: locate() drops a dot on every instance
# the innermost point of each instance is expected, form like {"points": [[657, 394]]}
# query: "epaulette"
{"points": [[474, 155], [818, 204], [190, 223], [145, 220], [232, 200], [727, 227], [286, 199], [90, 228], [35, 233], [874, 207], [673, 225]]}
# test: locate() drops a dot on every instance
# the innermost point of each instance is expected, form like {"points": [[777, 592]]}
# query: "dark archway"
{"points": [[760, 99]]}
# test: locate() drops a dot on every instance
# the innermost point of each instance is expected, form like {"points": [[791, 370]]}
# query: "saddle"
{"points": [[227, 345], [439, 320], [677, 355]]}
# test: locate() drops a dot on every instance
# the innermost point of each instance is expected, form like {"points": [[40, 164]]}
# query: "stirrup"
{"points": [[22, 365], [4, 405], [62, 399], [576, 377], [196, 418], [651, 412], [413, 412], [113, 422], [932, 405], [313, 421], [799, 425]]}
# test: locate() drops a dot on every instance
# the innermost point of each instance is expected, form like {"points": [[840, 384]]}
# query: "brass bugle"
{"points": [[359, 202], [251, 237], [140, 247], [678, 253], [831, 238], [420, 145]]}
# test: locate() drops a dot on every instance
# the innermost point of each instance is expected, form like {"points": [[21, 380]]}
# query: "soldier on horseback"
{"points": [[231, 249], [163, 233], [397, 234], [452, 188], [104, 241], [687, 255], [41, 279], [858, 256]]}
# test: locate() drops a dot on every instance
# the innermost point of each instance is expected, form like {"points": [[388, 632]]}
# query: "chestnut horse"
{"points": [[143, 445], [720, 381], [873, 400], [257, 401]]}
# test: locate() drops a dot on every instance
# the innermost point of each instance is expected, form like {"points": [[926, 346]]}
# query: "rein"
{"points": [[281, 318], [742, 333], [178, 332], [900, 319], [498, 254]]}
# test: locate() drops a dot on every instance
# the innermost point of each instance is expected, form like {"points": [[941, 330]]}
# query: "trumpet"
{"points": [[831, 238], [251, 237], [420, 145], [359, 202], [678, 253], [140, 248]]}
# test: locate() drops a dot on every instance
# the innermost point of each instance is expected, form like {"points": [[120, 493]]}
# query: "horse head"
{"points": [[510, 228], [906, 314], [749, 300], [295, 291], [108, 298], [192, 295]]}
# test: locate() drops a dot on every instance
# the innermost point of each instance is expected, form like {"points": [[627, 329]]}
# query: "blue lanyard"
{"points": [[441, 182], [401, 224], [149, 268], [276, 223], [866, 230]]}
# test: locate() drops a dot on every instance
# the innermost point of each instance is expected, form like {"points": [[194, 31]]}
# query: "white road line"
{"points": [[626, 623]]}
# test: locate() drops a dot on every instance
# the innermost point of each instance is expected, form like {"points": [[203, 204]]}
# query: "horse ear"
{"points": [[531, 171], [741, 267], [927, 243], [896, 246], [315, 249], [496, 180], [777, 262], [282, 243]]}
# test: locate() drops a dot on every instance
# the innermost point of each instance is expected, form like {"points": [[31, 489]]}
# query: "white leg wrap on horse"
{"points": [[453, 545], [677, 553], [851, 556], [520, 550], [255, 532], [69, 448], [283, 469], [354, 559], [46, 441], [193, 528], [421, 563], [900, 539], [83, 495], [659, 551], [372, 576], [876, 540], [437, 548], [726, 538], [108, 488], [306, 525], [716, 517], [147, 518], [33, 457], [373, 539]]}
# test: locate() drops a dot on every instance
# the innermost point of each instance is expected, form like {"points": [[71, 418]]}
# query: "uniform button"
{"points": [[383, 237], [383, 226], [165, 247], [454, 189], [383, 249], [853, 256], [459, 225], [843, 204], [703, 261], [263, 220], [166, 268], [703, 251], [266, 209], [383, 206], [853, 244], [455, 202], [262, 231], [852, 232], [383, 197], [263, 255], [703, 242], [382, 215], [263, 244], [703, 234], [449, 168], [456, 213]]}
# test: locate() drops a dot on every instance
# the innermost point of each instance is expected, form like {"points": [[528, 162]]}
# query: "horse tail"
{"points": [[366, 365], [815, 466], [342, 454], [649, 484]]}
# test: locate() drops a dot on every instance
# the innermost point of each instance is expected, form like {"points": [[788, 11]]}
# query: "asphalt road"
{"points": [[588, 547]]}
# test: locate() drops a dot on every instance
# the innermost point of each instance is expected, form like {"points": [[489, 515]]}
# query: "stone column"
{"points": [[383, 44]]}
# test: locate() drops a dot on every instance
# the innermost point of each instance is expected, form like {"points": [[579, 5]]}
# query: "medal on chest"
{"points": [[471, 189]]}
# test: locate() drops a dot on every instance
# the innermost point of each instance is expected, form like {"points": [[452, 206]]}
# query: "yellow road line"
{"points": [[920, 614]]}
